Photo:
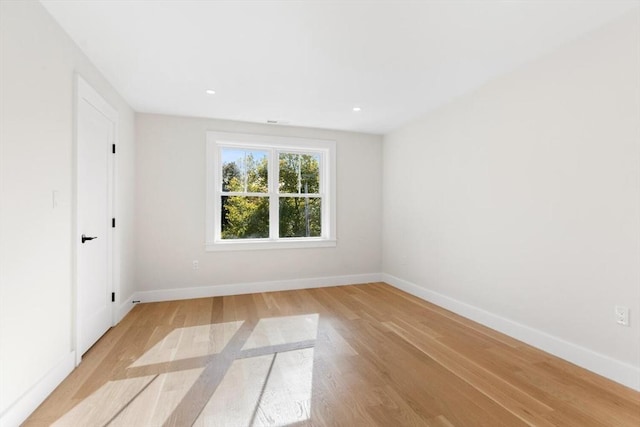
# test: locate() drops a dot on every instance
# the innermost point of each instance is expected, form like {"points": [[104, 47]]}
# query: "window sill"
{"points": [[253, 245]]}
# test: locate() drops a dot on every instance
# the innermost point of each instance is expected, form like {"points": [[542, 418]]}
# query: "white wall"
{"points": [[170, 227], [37, 65], [522, 200]]}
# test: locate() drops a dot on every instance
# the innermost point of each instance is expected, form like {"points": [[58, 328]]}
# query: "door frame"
{"points": [[85, 92]]}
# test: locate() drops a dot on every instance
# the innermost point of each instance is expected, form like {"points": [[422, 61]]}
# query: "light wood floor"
{"points": [[366, 355]]}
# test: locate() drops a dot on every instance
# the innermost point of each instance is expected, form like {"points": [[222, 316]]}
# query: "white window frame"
{"points": [[216, 141]]}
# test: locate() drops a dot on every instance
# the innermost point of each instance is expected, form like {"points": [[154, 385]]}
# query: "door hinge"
{"points": [[113, 148], [113, 297], [113, 223]]}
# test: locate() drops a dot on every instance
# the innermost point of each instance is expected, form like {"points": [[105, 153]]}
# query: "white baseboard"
{"points": [[249, 288], [19, 410], [125, 307], [615, 370]]}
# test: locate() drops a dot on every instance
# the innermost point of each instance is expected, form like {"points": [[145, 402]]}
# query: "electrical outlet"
{"points": [[622, 315], [195, 264]]}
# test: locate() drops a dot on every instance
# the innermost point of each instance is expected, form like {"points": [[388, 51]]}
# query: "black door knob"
{"points": [[85, 238]]}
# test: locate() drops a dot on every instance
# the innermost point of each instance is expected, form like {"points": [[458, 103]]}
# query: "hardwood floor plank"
{"points": [[366, 355], [514, 400], [415, 373]]}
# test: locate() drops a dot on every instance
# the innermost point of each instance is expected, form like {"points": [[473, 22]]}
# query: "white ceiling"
{"points": [[310, 62]]}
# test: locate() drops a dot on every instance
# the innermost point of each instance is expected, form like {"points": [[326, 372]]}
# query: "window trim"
{"points": [[274, 145]]}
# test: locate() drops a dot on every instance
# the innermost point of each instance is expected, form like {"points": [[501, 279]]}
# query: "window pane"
{"points": [[244, 170], [300, 217], [245, 217], [299, 173]]}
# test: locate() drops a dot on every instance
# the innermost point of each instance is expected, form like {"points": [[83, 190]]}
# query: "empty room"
{"points": [[319, 213]]}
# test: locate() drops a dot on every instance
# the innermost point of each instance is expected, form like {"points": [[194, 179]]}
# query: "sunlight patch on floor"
{"points": [[189, 342], [271, 390], [157, 402], [265, 379], [234, 401], [283, 330], [105, 403], [287, 395]]}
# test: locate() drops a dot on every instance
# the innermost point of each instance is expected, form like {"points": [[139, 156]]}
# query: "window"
{"points": [[267, 192]]}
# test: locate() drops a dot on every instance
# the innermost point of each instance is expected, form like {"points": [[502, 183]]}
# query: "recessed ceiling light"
{"points": [[356, 109], [210, 92]]}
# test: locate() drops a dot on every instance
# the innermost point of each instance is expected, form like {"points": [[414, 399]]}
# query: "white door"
{"points": [[96, 127]]}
